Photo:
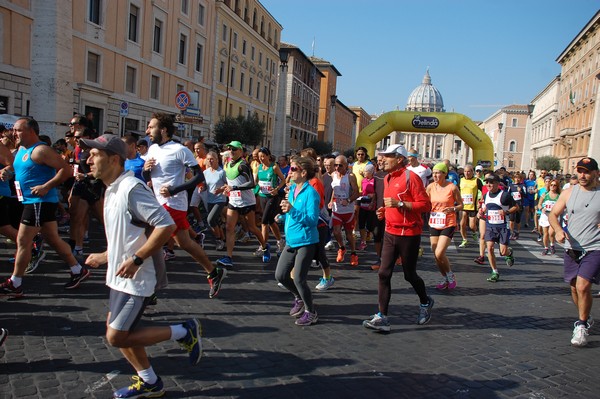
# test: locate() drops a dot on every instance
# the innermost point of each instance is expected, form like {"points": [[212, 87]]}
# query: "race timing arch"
{"points": [[429, 122]]}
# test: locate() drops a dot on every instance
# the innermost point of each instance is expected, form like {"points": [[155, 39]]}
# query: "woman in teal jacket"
{"points": [[302, 215]]}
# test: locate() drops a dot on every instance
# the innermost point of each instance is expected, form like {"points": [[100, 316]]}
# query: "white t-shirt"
{"points": [[423, 171], [171, 161]]}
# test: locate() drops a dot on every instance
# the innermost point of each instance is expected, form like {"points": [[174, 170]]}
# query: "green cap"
{"points": [[235, 144], [441, 167]]}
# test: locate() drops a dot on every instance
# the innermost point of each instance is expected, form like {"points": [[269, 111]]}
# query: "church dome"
{"points": [[425, 98]]}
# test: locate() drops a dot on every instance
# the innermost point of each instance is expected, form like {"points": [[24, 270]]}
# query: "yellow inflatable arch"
{"points": [[429, 122]]}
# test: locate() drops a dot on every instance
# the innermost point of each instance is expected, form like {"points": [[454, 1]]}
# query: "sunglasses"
{"points": [[77, 137], [554, 185], [295, 169], [339, 165]]}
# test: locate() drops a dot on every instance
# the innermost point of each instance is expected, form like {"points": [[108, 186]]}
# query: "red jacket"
{"points": [[400, 221]]}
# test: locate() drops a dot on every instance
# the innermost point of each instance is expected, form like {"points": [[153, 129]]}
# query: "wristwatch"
{"points": [[400, 204], [137, 260]]}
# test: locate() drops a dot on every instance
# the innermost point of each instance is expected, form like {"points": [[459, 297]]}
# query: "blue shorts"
{"points": [[125, 310], [501, 235], [528, 202], [587, 267]]}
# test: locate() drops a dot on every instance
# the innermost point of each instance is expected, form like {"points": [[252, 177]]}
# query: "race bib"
{"points": [[495, 217], [516, 195], [437, 220], [235, 194], [467, 199], [531, 190], [548, 205], [265, 187], [19, 191]]}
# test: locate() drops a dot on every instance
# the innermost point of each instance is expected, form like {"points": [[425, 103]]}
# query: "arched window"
{"points": [[512, 146]]}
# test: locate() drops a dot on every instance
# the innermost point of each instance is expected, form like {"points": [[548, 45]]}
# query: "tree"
{"points": [[247, 130], [547, 162], [321, 147]]}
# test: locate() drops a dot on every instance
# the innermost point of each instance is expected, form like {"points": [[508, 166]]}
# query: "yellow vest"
{"points": [[468, 192]]}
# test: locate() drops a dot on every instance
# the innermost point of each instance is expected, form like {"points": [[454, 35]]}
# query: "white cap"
{"points": [[478, 167], [397, 149]]}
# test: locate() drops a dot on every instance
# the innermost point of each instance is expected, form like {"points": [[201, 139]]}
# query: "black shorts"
{"points": [[244, 210], [38, 213], [448, 232], [89, 190], [515, 217], [471, 214], [6, 211]]}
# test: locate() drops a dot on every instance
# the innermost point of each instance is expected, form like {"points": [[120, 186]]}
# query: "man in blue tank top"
{"points": [[579, 208], [38, 171]]}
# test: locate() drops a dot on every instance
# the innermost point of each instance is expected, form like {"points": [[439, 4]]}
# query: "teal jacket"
{"points": [[302, 218]]}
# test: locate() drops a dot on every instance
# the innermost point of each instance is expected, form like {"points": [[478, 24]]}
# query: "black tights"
{"points": [[407, 248]]}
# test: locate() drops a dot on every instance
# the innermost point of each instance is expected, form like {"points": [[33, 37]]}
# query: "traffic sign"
{"points": [[124, 110], [182, 100]]}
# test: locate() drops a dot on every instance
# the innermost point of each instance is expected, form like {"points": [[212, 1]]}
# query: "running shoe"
{"points": [[259, 251], [76, 279], [225, 261], [510, 260], [216, 281], [3, 335], [298, 309], [220, 245], [362, 246], [340, 255], [266, 256], [516, 235], [475, 237], [425, 312], [325, 284], [245, 238], [192, 342], [141, 389], [451, 281], [443, 284], [200, 239], [545, 251], [552, 250], [494, 277], [307, 319], [421, 251], [463, 244], [38, 242], [580, 333], [330, 246], [378, 322], [539, 239], [8, 289], [35, 261], [480, 260], [169, 254], [375, 266], [152, 300], [353, 260]]}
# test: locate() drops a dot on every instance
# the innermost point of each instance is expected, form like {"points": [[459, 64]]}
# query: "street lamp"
{"points": [[284, 55], [501, 141]]}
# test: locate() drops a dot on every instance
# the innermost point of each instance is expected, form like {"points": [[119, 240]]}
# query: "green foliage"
{"points": [[547, 162], [247, 130], [321, 147]]}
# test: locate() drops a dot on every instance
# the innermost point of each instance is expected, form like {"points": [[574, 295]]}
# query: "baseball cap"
{"points": [[588, 164], [142, 142], [396, 149], [478, 167], [235, 144], [493, 178], [107, 142], [441, 167]]}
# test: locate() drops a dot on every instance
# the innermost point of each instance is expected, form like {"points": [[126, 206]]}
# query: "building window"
{"points": [[199, 57], [182, 48], [221, 72], [257, 90], [93, 68], [235, 40], [94, 11], [184, 6], [179, 88], [512, 146], [154, 87], [244, 47], [134, 13], [130, 79], [260, 58], [156, 43], [250, 87], [232, 77], [220, 108], [514, 122], [201, 12], [224, 33], [242, 76], [252, 51]]}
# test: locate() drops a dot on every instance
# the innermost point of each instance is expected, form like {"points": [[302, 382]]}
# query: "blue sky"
{"points": [[481, 54]]}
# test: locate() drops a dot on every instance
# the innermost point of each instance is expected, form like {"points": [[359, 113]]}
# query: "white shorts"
{"points": [[543, 220]]}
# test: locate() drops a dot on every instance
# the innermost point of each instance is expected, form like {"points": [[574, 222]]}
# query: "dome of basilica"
{"points": [[425, 98]]}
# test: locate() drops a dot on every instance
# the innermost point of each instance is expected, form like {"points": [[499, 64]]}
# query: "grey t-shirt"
{"points": [[583, 212]]}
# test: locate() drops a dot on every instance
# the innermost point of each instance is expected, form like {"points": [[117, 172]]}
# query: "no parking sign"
{"points": [[182, 100]]}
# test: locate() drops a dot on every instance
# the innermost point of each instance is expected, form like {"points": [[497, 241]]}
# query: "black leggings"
{"points": [[406, 247], [270, 208], [320, 253]]}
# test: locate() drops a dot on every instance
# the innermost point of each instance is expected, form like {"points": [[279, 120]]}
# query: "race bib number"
{"points": [[235, 194], [265, 187], [437, 220], [548, 205], [531, 190], [467, 199], [19, 191], [495, 217], [516, 195]]}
